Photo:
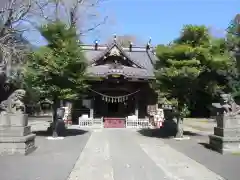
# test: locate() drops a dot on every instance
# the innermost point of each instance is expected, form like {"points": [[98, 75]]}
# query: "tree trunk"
{"points": [[179, 133], [54, 124]]}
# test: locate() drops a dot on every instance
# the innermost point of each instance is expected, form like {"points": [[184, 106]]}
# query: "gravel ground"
{"points": [[226, 166], [202, 125]]}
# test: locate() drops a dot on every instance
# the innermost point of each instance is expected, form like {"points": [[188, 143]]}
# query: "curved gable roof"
{"points": [[138, 55]]}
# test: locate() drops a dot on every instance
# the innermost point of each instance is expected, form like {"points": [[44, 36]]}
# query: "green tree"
{"points": [[193, 69], [57, 70], [233, 44]]}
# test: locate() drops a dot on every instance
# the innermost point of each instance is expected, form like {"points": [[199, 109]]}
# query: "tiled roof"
{"points": [[131, 72], [142, 57]]}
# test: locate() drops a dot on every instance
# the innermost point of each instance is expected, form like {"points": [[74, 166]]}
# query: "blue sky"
{"points": [[161, 20]]}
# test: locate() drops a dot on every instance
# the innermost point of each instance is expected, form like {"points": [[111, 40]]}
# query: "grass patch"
{"points": [[236, 153], [196, 119], [199, 128]]}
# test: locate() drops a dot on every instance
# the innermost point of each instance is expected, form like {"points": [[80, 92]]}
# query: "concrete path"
{"points": [[123, 154]]}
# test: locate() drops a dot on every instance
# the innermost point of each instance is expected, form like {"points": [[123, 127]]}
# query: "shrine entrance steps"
{"points": [[114, 122]]}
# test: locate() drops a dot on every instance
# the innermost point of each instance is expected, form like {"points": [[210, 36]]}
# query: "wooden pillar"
{"points": [[61, 103], [136, 106], [92, 109]]}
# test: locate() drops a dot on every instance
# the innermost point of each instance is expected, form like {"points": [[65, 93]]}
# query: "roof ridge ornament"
{"points": [[148, 44], [130, 46], [96, 44], [115, 37]]}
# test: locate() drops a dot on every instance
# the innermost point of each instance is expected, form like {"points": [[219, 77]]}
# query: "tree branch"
{"points": [[93, 27], [72, 12]]}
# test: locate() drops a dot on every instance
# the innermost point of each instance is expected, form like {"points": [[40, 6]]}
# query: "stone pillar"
{"points": [[15, 134], [226, 137]]}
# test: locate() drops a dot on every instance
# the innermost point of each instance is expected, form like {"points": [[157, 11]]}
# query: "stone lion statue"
{"points": [[228, 104], [14, 102]]}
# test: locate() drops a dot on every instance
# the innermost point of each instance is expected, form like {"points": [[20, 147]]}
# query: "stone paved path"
{"points": [[123, 154]]}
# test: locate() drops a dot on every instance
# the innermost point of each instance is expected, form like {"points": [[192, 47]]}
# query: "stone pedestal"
{"points": [[15, 135], [226, 138]]}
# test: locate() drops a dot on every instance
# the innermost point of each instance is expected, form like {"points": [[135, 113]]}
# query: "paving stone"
{"points": [[122, 154]]}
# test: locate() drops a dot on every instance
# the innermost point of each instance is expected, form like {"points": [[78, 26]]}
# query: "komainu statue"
{"points": [[14, 102], [228, 105]]}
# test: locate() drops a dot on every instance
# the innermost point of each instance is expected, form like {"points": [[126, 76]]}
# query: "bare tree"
{"points": [[12, 45], [125, 40], [15, 13], [76, 13]]}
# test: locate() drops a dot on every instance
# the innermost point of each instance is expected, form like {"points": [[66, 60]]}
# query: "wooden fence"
{"points": [[138, 123], [89, 122], [98, 123]]}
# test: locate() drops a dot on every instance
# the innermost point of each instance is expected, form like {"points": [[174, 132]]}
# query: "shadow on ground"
{"points": [[65, 133], [206, 145], [168, 130]]}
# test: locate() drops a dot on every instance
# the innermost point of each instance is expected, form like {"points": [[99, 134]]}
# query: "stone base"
{"points": [[14, 131], [7, 119], [15, 135], [22, 145], [225, 145], [227, 132]]}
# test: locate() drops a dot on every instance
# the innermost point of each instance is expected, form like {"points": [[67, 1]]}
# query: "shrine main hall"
{"points": [[120, 83]]}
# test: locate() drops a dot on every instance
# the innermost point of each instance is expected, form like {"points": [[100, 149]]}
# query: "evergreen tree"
{"points": [[57, 70], [193, 70]]}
